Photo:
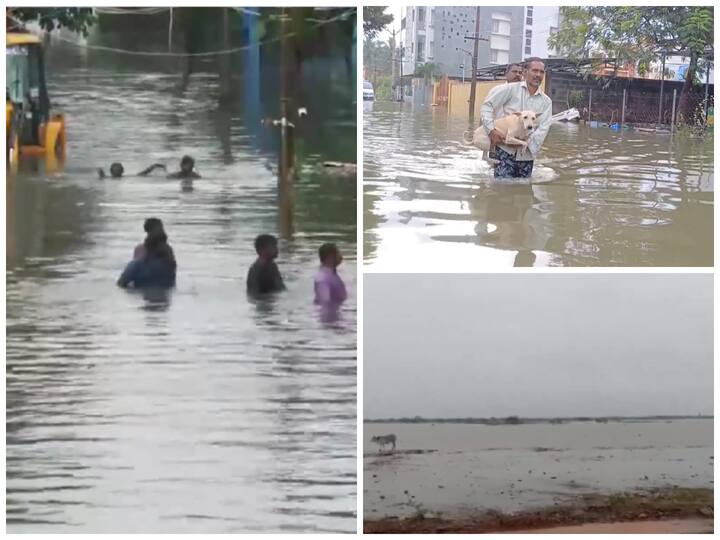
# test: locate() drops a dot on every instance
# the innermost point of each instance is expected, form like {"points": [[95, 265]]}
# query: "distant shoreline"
{"points": [[518, 420]]}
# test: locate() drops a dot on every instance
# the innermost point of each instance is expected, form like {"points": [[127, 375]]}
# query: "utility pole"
{"points": [[285, 165], [393, 82], [662, 83], [473, 78], [402, 87], [225, 66], [707, 86]]}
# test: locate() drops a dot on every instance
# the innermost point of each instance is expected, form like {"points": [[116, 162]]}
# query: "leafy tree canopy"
{"points": [[375, 20]]}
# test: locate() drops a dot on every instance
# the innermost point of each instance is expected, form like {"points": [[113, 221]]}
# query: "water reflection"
{"points": [[596, 198], [198, 410]]}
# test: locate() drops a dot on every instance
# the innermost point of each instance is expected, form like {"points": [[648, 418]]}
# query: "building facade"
{"points": [[676, 69], [508, 34], [540, 23]]}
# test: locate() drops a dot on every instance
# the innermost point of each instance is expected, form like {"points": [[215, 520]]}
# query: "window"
{"points": [[528, 21], [17, 72], [530, 11], [501, 43], [528, 42], [420, 51], [501, 24], [431, 50], [421, 15], [553, 30], [527, 50], [499, 57], [528, 33]]}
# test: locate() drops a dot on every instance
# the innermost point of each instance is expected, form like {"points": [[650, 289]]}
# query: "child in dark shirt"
{"points": [[264, 276]]}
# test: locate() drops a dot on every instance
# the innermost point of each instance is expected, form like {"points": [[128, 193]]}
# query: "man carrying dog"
{"points": [[515, 161]]}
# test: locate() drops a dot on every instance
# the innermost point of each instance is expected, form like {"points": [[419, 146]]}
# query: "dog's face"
{"points": [[529, 119]]}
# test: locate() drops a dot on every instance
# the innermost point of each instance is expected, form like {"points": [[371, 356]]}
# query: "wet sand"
{"points": [[451, 471]]}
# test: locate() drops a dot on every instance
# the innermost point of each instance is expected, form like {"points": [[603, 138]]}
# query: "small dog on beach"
{"points": [[383, 440], [516, 128]]}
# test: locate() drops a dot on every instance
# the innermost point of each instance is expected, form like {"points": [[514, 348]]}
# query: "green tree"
{"points": [[375, 19], [429, 71], [75, 19], [639, 35], [377, 56]]}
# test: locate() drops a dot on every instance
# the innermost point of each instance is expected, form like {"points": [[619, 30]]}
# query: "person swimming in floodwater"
{"points": [[151, 225], [186, 172], [329, 286], [117, 170], [264, 275], [156, 268]]}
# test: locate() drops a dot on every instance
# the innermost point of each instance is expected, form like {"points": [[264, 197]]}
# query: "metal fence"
{"points": [[638, 106]]}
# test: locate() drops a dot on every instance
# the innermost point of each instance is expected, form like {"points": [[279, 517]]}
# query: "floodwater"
{"points": [[197, 411], [460, 469], [596, 198]]}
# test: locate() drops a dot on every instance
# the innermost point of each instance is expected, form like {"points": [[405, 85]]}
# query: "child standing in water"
{"points": [[152, 225], [155, 268], [264, 276], [329, 287]]}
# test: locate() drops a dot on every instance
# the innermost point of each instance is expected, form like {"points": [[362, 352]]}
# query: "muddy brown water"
{"points": [[199, 411], [596, 198], [455, 470]]}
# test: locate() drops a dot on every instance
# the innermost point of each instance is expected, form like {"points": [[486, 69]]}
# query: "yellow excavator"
{"points": [[32, 132]]}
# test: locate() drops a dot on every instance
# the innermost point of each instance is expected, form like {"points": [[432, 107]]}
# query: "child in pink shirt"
{"points": [[329, 287]]}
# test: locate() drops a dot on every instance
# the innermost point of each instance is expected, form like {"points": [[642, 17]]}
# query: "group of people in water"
{"points": [[186, 172], [154, 266]]}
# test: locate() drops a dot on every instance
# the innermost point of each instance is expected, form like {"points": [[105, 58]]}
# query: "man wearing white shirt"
{"points": [[516, 161]]}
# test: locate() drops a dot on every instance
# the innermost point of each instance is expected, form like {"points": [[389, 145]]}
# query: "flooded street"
{"points": [[460, 469], [597, 198], [200, 411]]}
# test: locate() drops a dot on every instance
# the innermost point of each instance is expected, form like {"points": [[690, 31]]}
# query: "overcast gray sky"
{"points": [[455, 345], [396, 12]]}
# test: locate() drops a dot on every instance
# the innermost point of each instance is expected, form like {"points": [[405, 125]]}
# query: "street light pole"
{"points": [[462, 66]]}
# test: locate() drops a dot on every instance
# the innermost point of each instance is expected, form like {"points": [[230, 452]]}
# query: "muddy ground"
{"points": [[661, 510]]}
